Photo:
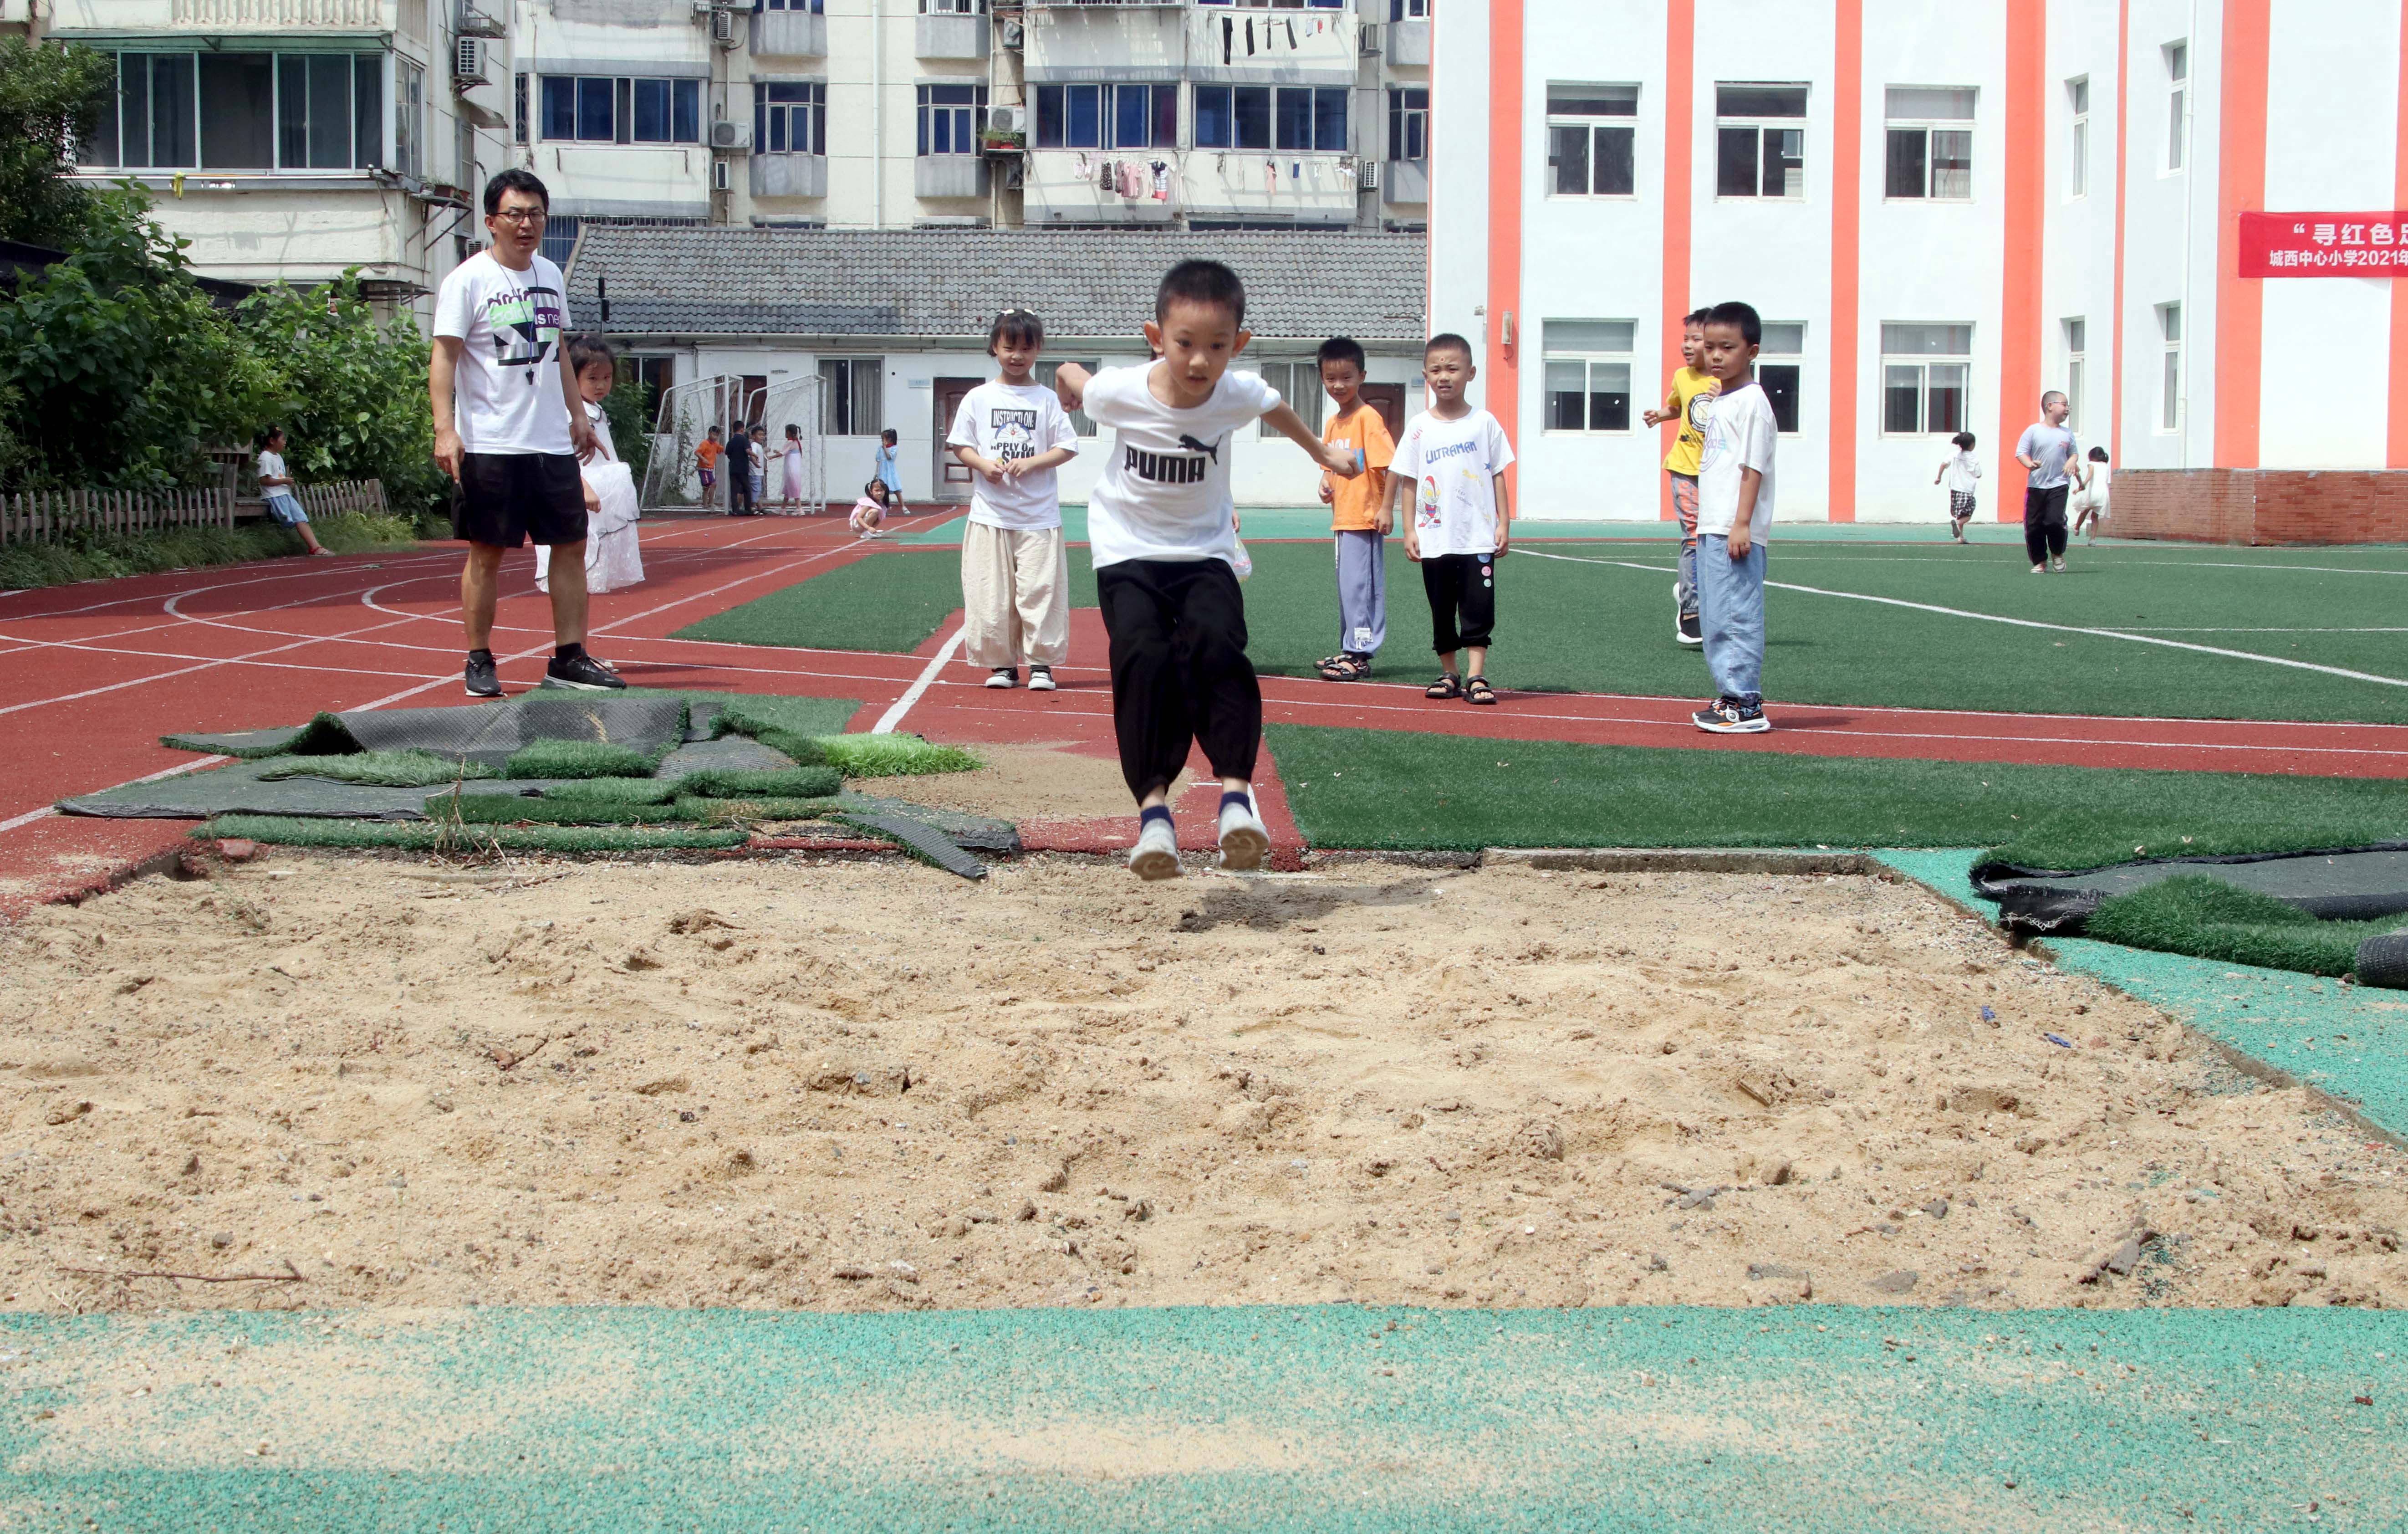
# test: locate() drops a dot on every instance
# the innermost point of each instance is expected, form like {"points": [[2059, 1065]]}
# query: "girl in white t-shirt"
{"points": [[612, 560], [1012, 433], [1961, 473], [2090, 501]]}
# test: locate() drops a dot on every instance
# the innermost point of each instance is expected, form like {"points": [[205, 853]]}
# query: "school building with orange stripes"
{"points": [[2183, 213]]}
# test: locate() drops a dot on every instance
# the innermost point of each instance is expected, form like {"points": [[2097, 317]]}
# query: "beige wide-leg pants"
{"points": [[1016, 596]]}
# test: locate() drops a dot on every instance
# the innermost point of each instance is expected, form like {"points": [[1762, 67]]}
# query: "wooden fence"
{"points": [[46, 516]]}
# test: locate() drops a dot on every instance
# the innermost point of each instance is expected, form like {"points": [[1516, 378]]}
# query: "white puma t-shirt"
{"points": [[1165, 491]]}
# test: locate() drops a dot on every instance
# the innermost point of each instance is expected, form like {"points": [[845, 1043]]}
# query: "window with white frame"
{"points": [[1930, 142], [1262, 117], [1588, 366], [1408, 122], [1107, 116], [2077, 343], [1300, 384], [1081, 422], [2169, 376], [1925, 369], [950, 117], [790, 117], [853, 396], [521, 123], [951, 8], [622, 110], [244, 111], [1759, 140], [2177, 56], [408, 116], [2077, 96], [1779, 369], [1591, 139]]}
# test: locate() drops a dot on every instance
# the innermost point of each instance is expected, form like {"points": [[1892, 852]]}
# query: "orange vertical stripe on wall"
{"points": [[2027, 210], [2396, 451], [2241, 176], [1680, 172], [2123, 157], [1505, 70], [1847, 199]]}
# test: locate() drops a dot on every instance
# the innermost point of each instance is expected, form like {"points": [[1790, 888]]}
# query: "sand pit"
{"points": [[848, 1085]]}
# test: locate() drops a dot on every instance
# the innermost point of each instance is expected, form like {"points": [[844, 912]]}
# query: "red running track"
{"points": [[98, 671]]}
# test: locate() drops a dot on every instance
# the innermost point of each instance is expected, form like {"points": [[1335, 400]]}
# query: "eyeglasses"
{"points": [[522, 215]]}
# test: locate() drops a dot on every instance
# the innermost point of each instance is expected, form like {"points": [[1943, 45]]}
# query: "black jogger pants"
{"points": [[1179, 671]]}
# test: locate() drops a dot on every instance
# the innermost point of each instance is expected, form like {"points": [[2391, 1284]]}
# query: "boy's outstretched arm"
{"points": [[1282, 418], [1070, 382]]}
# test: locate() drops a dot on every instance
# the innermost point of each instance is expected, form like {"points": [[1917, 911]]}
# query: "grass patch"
{"points": [[617, 790], [419, 836], [889, 601], [713, 811], [512, 809], [893, 756], [28, 564], [2208, 919], [800, 782], [383, 768], [578, 759], [1391, 789]]}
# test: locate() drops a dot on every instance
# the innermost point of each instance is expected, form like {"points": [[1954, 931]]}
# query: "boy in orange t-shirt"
{"points": [[1359, 514], [706, 462]]}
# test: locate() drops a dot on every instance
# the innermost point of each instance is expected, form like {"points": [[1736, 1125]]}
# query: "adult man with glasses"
{"points": [[512, 445]]}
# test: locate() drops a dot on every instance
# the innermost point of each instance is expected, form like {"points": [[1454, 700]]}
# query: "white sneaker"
{"points": [[2040, 569], [1041, 679], [1245, 841], [1003, 676], [2058, 565], [1157, 852]]}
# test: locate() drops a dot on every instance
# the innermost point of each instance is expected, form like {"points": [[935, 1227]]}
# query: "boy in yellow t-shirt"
{"points": [[1359, 514], [1691, 396]]}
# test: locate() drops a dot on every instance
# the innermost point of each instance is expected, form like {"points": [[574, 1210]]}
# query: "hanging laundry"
{"points": [[1161, 180], [1346, 173], [1271, 177], [1295, 170], [1250, 37], [1106, 176], [1291, 33], [1229, 32], [1086, 167], [1133, 179]]}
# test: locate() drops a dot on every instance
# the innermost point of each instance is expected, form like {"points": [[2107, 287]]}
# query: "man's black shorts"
{"points": [[508, 498]]}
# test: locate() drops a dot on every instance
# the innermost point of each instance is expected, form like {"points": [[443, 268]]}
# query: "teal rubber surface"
{"points": [[2348, 1041], [1789, 1418]]}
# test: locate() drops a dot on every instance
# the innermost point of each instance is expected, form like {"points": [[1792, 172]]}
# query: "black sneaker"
{"points": [[482, 680], [581, 673], [1688, 631], [1732, 716]]}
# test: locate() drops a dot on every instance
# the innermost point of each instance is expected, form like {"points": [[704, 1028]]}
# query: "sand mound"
{"points": [[849, 1085]]}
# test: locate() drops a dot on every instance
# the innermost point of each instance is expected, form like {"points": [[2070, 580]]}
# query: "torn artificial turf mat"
{"points": [[2191, 913], [581, 759]]}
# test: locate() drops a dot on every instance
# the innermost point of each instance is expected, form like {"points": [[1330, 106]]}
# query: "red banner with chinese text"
{"points": [[2324, 244]]}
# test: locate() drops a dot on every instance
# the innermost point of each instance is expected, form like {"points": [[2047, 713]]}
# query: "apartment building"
{"points": [[1940, 208]]}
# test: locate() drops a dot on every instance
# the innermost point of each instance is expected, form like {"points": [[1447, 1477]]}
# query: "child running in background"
{"points": [[1453, 463], [275, 486], [2090, 500], [1012, 433], [706, 462], [790, 463], [1163, 527], [890, 471], [1961, 472], [1691, 395], [1360, 518], [868, 511], [1734, 516]]}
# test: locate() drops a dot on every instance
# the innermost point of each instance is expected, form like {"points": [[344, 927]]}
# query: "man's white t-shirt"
{"points": [[508, 385], [271, 466], [1740, 433], [1453, 465], [1005, 422], [1165, 491]]}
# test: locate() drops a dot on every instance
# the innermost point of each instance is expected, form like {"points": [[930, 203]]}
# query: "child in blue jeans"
{"points": [[1734, 515]]}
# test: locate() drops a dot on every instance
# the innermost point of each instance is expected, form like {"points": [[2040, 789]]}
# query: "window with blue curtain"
{"points": [[606, 109], [1107, 116], [790, 119], [949, 118]]}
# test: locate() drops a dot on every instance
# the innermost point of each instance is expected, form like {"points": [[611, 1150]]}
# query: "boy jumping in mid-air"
{"points": [[1691, 395], [1163, 527], [1012, 433], [1452, 463], [1359, 514], [1734, 515]]}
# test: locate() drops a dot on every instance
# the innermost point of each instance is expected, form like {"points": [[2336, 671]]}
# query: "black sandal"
{"points": [[1345, 668], [1448, 686], [1476, 690]]}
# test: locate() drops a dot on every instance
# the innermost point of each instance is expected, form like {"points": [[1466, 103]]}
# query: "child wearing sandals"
{"points": [[1359, 514], [1453, 462]]}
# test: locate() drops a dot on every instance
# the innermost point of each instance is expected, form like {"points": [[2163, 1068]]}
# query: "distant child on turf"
{"points": [[1163, 527], [868, 511], [1452, 467], [276, 484], [760, 464], [1012, 433], [706, 462], [890, 471], [1360, 518], [1734, 516], [1961, 471], [2090, 501], [1686, 401]]}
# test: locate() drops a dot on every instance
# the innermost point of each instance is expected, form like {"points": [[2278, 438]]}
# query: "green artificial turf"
{"points": [[383, 768], [617, 790], [893, 756], [419, 836], [800, 782], [513, 809], [892, 601], [1393, 789], [711, 812], [578, 759], [2208, 919]]}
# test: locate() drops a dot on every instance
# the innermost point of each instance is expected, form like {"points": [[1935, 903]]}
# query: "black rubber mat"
{"points": [[922, 840], [2351, 883], [483, 732]]}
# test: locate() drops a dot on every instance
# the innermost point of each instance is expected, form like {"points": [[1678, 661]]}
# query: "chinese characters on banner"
{"points": [[2324, 244]]}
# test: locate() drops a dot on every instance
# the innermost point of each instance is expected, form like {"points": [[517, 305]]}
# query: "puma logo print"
{"points": [[1192, 445]]}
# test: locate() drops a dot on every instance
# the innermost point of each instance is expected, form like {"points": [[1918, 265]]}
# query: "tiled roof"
{"points": [[949, 282]]}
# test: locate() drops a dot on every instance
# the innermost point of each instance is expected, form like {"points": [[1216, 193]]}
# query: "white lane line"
{"points": [[2021, 622], [2137, 628], [894, 716]]}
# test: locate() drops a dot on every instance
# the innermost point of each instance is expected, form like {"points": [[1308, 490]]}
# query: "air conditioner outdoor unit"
{"points": [[1007, 119], [723, 28], [1010, 33], [725, 135], [1370, 39], [468, 61], [1366, 176]]}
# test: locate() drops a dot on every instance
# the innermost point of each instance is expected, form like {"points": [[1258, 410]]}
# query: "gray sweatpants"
{"points": [[1362, 592]]}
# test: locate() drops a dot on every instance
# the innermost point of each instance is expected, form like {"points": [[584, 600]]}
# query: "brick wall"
{"points": [[2260, 506]]}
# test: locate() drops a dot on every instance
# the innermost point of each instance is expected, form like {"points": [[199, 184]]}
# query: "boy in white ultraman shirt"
{"points": [[1163, 529], [1013, 433], [1734, 515], [1452, 464]]}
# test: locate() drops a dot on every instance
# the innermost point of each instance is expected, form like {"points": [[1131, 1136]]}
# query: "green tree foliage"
{"points": [[50, 97], [630, 410], [349, 390]]}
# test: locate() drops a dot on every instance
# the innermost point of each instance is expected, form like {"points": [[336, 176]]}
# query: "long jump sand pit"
{"points": [[867, 1084]]}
